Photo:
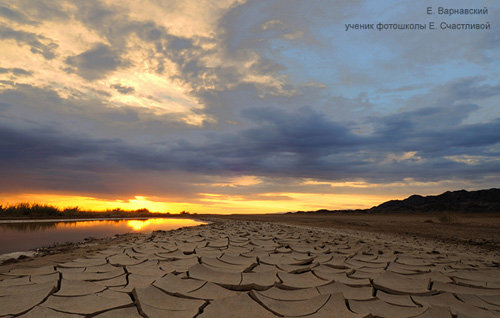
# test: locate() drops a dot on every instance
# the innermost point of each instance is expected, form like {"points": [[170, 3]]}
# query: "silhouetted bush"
{"points": [[72, 209], [30, 209], [35, 210]]}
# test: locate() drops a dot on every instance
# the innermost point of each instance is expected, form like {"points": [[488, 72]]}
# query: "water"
{"points": [[26, 235]]}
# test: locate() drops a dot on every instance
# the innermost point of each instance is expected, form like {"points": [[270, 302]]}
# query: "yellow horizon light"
{"points": [[211, 202]]}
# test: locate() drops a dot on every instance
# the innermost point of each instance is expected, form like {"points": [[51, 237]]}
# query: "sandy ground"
{"points": [[239, 268], [479, 231], [66, 252]]}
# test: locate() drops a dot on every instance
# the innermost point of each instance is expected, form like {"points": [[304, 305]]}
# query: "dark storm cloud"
{"points": [[43, 147], [39, 44], [438, 118], [303, 131], [275, 137], [96, 63], [306, 144], [280, 143], [45, 158], [273, 141]]}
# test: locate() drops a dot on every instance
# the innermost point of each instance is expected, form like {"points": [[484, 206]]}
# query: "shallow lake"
{"points": [[26, 235]]}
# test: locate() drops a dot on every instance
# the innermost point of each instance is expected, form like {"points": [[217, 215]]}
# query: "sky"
{"points": [[244, 106]]}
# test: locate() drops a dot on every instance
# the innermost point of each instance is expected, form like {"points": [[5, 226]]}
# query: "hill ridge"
{"points": [[478, 201], [487, 200]]}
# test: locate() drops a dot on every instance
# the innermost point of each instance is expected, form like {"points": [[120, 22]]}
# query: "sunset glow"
{"points": [[212, 203]]}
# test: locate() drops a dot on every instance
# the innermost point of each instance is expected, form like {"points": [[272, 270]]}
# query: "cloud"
{"points": [[96, 63], [39, 44], [301, 143], [123, 89], [46, 10], [471, 160], [15, 15], [409, 155], [15, 71], [302, 131]]}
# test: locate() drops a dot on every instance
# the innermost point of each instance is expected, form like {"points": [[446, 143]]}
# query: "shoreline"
{"points": [[62, 246], [70, 250], [40, 220], [62, 249], [479, 231], [70, 218]]}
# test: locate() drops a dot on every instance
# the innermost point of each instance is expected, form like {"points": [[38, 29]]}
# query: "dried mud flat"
{"points": [[253, 269], [477, 231]]}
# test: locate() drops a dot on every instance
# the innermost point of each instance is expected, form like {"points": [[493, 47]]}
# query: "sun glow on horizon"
{"points": [[88, 203], [209, 202]]}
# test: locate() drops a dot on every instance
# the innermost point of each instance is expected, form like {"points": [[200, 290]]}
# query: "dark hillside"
{"points": [[450, 201]]}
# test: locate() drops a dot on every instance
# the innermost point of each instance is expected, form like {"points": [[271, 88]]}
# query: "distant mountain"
{"points": [[453, 201]]}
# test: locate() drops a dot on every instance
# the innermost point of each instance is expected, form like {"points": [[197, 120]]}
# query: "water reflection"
{"points": [[28, 227], [21, 236], [158, 224]]}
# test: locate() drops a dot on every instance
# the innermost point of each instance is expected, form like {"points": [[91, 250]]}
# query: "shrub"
{"points": [[72, 209], [31, 209]]}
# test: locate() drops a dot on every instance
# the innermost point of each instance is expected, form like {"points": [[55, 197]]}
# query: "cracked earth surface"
{"points": [[251, 269]]}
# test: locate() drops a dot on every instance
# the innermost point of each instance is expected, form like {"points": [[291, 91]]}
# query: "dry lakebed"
{"points": [[239, 268]]}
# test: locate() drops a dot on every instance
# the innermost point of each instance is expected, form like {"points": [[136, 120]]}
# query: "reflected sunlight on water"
{"points": [[25, 235], [159, 224]]}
